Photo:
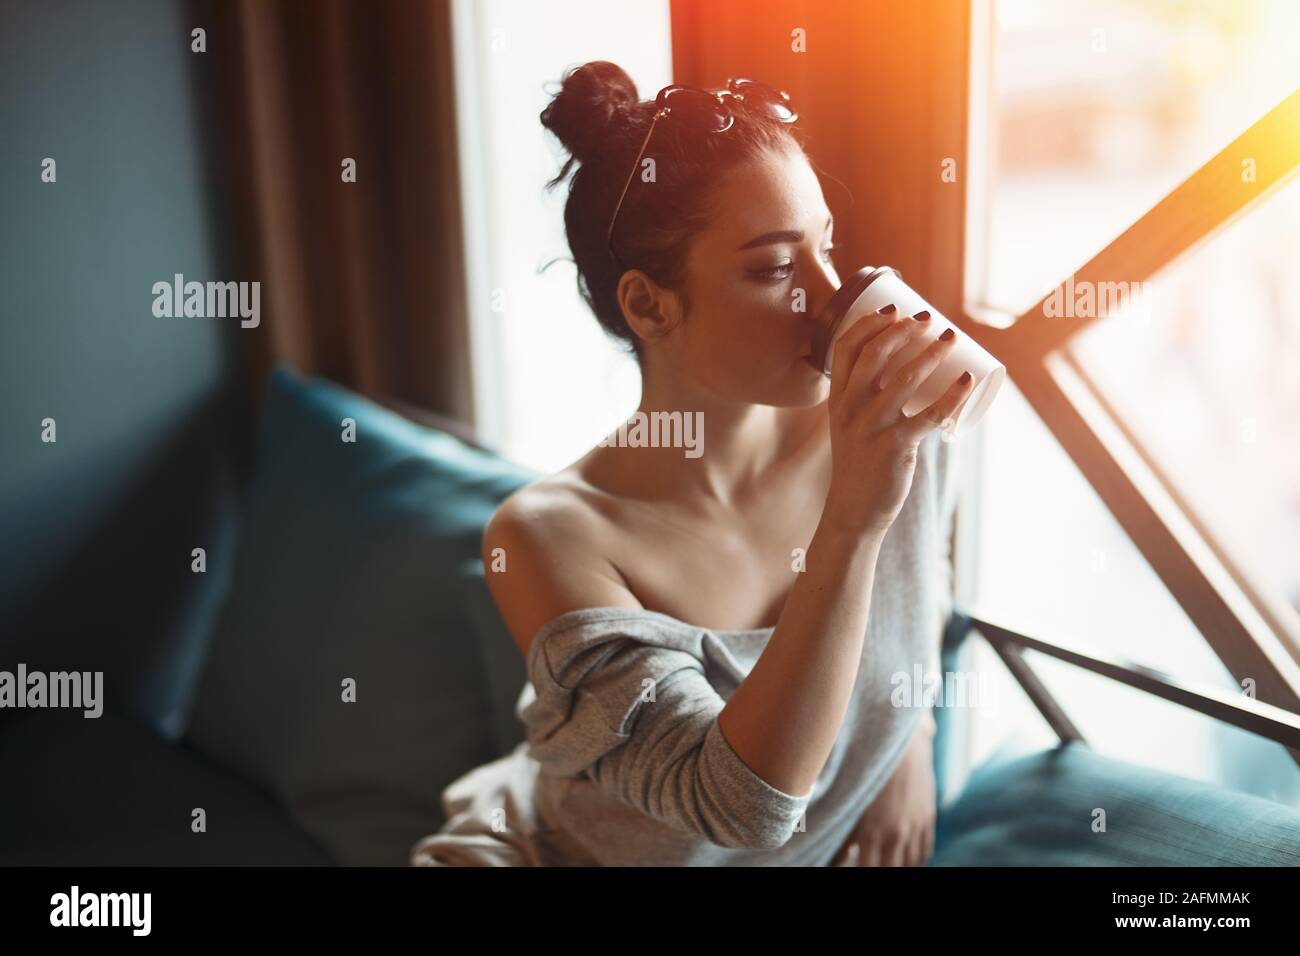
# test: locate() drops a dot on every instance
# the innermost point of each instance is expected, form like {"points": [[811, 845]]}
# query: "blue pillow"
{"points": [[1038, 810], [348, 570]]}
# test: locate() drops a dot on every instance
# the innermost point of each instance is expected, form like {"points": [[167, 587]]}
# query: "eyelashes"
{"points": [[786, 269]]}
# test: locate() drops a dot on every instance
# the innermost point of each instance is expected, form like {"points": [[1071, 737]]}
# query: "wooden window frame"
{"points": [[1253, 633]]}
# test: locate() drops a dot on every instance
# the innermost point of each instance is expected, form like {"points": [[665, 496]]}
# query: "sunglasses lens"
{"points": [[762, 98], [702, 108], [782, 111]]}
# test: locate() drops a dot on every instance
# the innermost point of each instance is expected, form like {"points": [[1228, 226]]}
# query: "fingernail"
{"points": [[947, 335], [886, 310], [922, 316], [965, 377]]}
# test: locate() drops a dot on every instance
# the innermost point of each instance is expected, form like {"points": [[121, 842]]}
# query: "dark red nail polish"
{"points": [[887, 309], [922, 316], [965, 377], [947, 335]]}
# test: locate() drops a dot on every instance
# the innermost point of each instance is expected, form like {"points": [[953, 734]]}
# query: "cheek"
{"points": [[756, 318]]}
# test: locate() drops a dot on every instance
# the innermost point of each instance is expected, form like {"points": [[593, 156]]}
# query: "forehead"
{"points": [[776, 191]]}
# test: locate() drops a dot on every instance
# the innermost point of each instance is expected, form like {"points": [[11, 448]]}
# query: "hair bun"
{"points": [[590, 102]]}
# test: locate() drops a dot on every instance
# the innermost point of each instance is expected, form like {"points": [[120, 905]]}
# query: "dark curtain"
{"points": [[362, 282]]}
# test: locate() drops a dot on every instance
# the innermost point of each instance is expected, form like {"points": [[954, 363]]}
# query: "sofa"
{"points": [[354, 664]]}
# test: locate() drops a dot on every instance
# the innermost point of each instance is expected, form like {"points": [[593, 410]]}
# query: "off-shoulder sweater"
{"points": [[625, 762]]}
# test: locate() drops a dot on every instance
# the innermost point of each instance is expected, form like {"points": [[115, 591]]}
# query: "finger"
{"points": [[906, 849], [875, 357], [894, 850], [915, 849], [869, 853], [921, 327], [852, 856], [942, 410], [909, 378], [927, 845], [850, 344]]}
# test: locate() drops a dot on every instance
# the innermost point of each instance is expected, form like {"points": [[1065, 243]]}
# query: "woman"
{"points": [[715, 642]]}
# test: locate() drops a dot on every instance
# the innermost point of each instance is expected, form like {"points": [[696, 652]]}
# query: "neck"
{"points": [[739, 442]]}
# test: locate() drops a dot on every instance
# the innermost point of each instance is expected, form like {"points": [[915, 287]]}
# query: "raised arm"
{"points": [[740, 773]]}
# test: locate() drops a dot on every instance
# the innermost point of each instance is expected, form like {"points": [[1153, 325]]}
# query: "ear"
{"points": [[651, 311]]}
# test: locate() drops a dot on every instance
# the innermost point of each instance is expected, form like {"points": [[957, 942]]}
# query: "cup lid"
{"points": [[838, 307]]}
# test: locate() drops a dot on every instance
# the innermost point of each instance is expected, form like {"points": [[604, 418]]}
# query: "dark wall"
{"points": [[97, 528]]}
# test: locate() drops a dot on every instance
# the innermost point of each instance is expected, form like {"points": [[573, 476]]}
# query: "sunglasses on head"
{"points": [[709, 112]]}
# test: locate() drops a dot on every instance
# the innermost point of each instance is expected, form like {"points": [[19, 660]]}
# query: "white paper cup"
{"points": [[870, 289]]}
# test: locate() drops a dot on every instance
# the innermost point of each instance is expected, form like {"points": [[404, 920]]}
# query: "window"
{"points": [[1204, 371], [1102, 108], [1139, 486], [549, 382]]}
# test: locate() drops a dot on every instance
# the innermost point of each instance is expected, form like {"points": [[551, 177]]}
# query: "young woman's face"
{"points": [[756, 280]]}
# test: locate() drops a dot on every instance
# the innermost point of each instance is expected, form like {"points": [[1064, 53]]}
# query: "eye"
{"points": [[780, 271], [784, 270]]}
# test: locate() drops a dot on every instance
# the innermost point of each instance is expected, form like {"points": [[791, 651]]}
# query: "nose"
{"points": [[822, 284]]}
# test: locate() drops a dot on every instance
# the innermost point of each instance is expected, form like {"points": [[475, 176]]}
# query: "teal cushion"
{"points": [[348, 570], [1038, 809], [111, 792]]}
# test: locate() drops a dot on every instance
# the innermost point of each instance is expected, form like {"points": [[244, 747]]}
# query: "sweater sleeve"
{"points": [[627, 704]]}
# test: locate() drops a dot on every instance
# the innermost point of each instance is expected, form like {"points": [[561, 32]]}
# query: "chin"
{"points": [[804, 388], [814, 394]]}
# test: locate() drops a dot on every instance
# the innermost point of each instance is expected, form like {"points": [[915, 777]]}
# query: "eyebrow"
{"points": [[783, 235]]}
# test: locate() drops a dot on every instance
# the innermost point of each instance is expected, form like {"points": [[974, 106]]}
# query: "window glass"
{"points": [[1101, 109], [1104, 107], [552, 382], [1203, 364], [1050, 561]]}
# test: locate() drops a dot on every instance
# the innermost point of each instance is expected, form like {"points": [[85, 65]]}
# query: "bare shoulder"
{"points": [[546, 550]]}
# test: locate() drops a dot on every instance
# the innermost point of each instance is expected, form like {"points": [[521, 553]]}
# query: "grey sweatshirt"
{"points": [[625, 763]]}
